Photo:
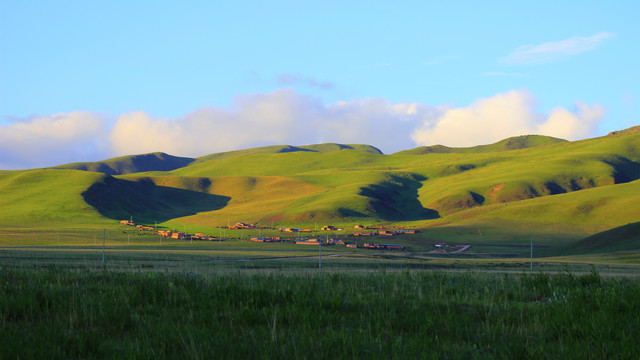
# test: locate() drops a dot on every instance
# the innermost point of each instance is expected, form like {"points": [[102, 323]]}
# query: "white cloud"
{"points": [[504, 115], [555, 50], [577, 124], [51, 140], [286, 117], [252, 120], [280, 117]]}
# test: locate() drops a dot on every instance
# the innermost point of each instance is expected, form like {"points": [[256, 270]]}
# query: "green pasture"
{"points": [[490, 249], [57, 312]]}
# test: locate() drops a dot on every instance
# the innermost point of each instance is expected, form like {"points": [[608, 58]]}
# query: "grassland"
{"points": [[54, 312]]}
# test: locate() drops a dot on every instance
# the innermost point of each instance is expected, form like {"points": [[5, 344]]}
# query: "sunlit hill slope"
{"points": [[527, 179]]}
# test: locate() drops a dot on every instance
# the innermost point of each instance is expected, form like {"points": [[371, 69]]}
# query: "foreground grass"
{"points": [[62, 313]]}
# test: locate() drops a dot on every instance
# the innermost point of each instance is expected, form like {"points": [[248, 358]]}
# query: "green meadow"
{"points": [[64, 313]]}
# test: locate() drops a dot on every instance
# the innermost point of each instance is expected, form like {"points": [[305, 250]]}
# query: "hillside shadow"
{"points": [[146, 202], [397, 199], [624, 170]]}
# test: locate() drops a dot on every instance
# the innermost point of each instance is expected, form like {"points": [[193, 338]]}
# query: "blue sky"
{"points": [[84, 81]]}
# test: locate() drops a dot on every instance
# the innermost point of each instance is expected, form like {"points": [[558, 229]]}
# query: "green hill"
{"points": [[141, 198], [630, 130], [35, 198], [512, 143], [528, 182], [132, 164], [622, 238], [277, 149]]}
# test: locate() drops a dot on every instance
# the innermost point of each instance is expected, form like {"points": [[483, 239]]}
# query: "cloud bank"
{"points": [[555, 50], [504, 115], [287, 117], [52, 140]]}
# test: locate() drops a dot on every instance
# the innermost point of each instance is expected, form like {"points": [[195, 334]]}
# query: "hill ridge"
{"points": [[593, 180], [510, 143], [157, 161]]}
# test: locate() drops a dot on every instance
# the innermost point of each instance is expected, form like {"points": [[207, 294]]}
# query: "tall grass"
{"points": [[61, 313]]}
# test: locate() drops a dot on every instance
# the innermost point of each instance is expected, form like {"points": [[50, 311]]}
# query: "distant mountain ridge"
{"points": [[160, 161], [123, 165], [278, 149], [512, 143]]}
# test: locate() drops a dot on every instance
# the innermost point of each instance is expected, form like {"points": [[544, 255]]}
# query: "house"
{"points": [[352, 246], [179, 235], [329, 228], [266, 239], [407, 231], [363, 234], [289, 229], [127, 222], [335, 242], [241, 225], [309, 242], [376, 246]]}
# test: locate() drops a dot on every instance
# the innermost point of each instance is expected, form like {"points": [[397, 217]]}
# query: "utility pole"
{"points": [[104, 235], [531, 267], [320, 252]]}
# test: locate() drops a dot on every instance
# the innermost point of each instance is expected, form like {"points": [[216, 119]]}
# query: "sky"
{"points": [[92, 80]]}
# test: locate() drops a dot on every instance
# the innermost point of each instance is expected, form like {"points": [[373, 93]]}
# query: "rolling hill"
{"points": [[622, 238], [531, 182], [131, 164], [512, 143]]}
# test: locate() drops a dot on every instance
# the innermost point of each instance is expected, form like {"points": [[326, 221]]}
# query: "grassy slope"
{"points": [[622, 238], [249, 198], [48, 197], [325, 183], [148, 202], [277, 149], [522, 174], [513, 143]]}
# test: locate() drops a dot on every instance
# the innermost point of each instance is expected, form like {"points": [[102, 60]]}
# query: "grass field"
{"points": [[154, 297], [491, 248], [61, 312]]}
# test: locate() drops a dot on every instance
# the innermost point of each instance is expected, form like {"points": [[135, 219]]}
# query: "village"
{"points": [[363, 232]]}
